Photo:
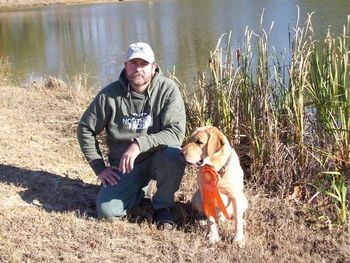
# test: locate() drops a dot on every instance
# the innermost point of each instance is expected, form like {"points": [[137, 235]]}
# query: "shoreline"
{"points": [[15, 5]]}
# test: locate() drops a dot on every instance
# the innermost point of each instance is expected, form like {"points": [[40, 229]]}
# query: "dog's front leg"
{"points": [[213, 233], [239, 206], [239, 225]]}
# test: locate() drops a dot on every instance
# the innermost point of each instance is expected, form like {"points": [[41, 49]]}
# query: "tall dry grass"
{"points": [[287, 113]]}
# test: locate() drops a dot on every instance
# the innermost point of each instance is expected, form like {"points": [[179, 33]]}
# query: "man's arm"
{"points": [[127, 161], [91, 124]]}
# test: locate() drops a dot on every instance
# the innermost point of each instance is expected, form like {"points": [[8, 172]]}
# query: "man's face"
{"points": [[139, 72]]}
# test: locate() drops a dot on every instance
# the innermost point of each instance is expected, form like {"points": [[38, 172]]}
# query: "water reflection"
{"points": [[92, 39]]}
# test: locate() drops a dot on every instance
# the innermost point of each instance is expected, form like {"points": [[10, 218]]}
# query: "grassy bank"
{"points": [[294, 164], [8, 5], [287, 113], [47, 193]]}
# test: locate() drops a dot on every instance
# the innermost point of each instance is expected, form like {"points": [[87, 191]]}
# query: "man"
{"points": [[143, 115]]}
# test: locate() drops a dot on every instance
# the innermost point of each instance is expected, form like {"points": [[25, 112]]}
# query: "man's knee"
{"points": [[168, 168], [171, 159], [111, 210]]}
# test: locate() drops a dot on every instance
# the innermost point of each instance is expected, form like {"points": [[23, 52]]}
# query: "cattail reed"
{"points": [[287, 113]]}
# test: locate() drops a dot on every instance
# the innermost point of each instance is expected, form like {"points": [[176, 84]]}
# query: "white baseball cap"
{"points": [[140, 50]]}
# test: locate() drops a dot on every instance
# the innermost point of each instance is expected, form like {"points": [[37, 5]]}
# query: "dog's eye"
{"points": [[198, 142]]}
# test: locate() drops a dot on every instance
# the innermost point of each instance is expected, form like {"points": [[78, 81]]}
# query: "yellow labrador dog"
{"points": [[208, 146]]}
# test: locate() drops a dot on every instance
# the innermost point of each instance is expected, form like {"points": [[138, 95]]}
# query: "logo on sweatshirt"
{"points": [[138, 121]]}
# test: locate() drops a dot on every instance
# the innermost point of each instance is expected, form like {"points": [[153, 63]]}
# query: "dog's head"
{"points": [[207, 146]]}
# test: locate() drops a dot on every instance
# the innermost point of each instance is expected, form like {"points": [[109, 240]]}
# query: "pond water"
{"points": [[92, 39]]}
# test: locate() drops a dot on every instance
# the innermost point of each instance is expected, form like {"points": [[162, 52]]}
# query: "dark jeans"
{"points": [[165, 166]]}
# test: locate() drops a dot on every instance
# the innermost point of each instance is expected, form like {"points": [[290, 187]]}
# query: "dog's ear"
{"points": [[199, 129], [194, 132], [215, 141]]}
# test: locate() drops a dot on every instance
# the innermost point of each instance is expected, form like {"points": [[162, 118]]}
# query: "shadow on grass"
{"points": [[52, 192], [55, 193]]}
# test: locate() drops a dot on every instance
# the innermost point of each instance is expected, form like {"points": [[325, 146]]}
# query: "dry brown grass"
{"points": [[47, 192], [22, 4]]}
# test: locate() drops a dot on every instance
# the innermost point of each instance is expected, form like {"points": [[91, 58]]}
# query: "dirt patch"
{"points": [[47, 202]]}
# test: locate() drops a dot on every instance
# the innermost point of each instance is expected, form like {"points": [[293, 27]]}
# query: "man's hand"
{"points": [[109, 175], [127, 161]]}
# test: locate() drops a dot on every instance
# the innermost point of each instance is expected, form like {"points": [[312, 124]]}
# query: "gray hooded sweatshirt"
{"points": [[154, 119]]}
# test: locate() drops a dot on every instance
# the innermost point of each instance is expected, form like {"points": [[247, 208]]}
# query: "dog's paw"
{"points": [[203, 222], [240, 241], [213, 238]]}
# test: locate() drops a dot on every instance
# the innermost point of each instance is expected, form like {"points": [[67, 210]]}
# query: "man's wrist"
{"points": [[137, 144], [98, 165]]}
